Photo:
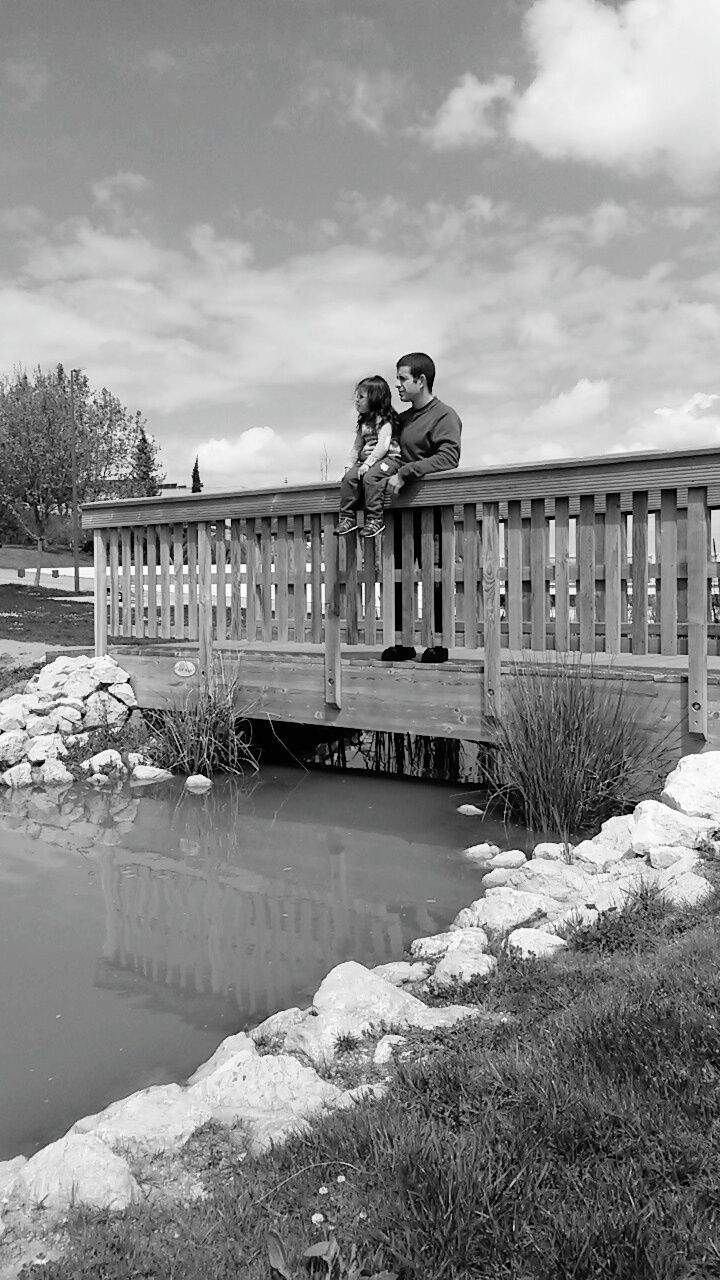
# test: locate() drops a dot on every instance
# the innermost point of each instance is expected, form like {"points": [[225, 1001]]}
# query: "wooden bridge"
{"points": [[610, 557]]}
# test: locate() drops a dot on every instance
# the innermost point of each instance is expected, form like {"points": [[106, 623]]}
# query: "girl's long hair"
{"points": [[380, 407]]}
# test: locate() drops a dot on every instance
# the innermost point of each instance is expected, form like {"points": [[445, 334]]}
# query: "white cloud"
{"points": [[568, 414], [365, 99], [634, 86], [463, 119], [106, 191], [25, 80]]}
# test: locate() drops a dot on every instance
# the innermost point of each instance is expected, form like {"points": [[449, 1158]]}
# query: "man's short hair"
{"points": [[419, 363]]}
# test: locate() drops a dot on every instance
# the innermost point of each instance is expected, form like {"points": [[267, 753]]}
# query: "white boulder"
{"points": [[462, 964], [198, 784], [157, 1119], [470, 811], [482, 853], [54, 774], [402, 972], [108, 761], [142, 774], [124, 694], [101, 710], [496, 878], [230, 1048], [9, 1169], [535, 942], [20, 775], [666, 855], [510, 858], [616, 832], [551, 851], [36, 725], [275, 1028], [438, 944], [48, 746], [687, 890], [594, 855], [79, 684], [657, 824], [13, 713], [107, 671], [693, 787], [504, 909], [77, 1169], [12, 746], [385, 1049]]}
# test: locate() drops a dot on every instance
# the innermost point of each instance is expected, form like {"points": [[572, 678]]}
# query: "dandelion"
{"points": [[341, 1177], [323, 1191], [317, 1218]]}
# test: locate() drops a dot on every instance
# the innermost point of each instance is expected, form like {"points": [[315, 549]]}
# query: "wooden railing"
{"points": [[611, 554]]}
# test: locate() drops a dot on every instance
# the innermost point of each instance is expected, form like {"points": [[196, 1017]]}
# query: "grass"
{"points": [[44, 614], [577, 1141], [570, 752], [206, 735]]}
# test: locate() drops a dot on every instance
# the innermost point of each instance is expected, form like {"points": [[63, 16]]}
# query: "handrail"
{"points": [[568, 477]]}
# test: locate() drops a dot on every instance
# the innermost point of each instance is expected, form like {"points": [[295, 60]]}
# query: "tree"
{"points": [[36, 423], [197, 485], [146, 478]]}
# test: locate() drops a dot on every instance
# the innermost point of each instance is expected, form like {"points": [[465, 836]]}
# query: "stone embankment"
{"points": [[278, 1077]]}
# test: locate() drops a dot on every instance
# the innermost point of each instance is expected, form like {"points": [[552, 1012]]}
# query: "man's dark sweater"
{"points": [[429, 440]]}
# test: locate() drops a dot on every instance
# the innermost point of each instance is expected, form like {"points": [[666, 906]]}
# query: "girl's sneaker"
{"points": [[372, 528], [346, 524]]}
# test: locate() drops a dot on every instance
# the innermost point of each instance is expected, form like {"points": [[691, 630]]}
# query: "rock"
{"points": [[503, 910], [657, 824], [157, 1119], [483, 854], [72, 714], [576, 916], [136, 757], [666, 855], [36, 725], [124, 694], [9, 1169], [197, 784], [101, 710], [107, 671], [596, 856], [80, 684], [352, 1000], [498, 876], [693, 787], [275, 1028], [54, 675], [145, 773], [271, 1096], [559, 880], [108, 761], [401, 972], [77, 1169], [549, 851], [385, 1049], [230, 1048], [511, 858], [438, 944], [20, 775], [462, 964], [470, 811], [616, 832], [687, 890], [54, 774], [99, 780], [12, 746], [535, 942], [46, 747], [13, 713]]}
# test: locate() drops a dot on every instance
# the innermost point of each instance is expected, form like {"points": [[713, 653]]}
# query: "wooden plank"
{"points": [[205, 611], [266, 578], [514, 584], [585, 593], [127, 594], [299, 569], [192, 573], [388, 580], [447, 576], [599, 568], [101, 590], [427, 561], [252, 571], [613, 572], [164, 536], [316, 583], [562, 577], [220, 581], [282, 578], [491, 607], [235, 580], [697, 612], [407, 565], [114, 556], [525, 580], [178, 583], [152, 618], [669, 572], [470, 574], [538, 560], [138, 539], [350, 547], [370, 612], [333, 669], [640, 573]]}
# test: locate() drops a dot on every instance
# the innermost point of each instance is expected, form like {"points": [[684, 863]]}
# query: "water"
{"points": [[137, 931]]}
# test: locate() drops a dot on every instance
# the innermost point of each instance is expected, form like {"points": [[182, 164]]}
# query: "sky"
{"points": [[229, 212]]}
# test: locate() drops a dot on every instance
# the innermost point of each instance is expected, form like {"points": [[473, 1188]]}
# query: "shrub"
{"points": [[570, 751], [206, 735]]}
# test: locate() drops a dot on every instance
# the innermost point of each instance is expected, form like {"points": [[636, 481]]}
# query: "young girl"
{"points": [[374, 458]]}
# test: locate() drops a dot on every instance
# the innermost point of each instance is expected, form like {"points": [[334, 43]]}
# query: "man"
{"points": [[429, 430], [429, 442]]}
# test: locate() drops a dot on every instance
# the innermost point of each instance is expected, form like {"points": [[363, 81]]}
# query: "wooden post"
{"points": [[491, 607], [101, 619], [205, 620], [697, 559], [333, 670]]}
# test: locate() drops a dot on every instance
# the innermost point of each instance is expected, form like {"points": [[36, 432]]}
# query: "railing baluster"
{"points": [[697, 561], [152, 581], [220, 581], [350, 547], [316, 573], [205, 608], [252, 570], [427, 561], [491, 608], [192, 581], [281, 578], [513, 569], [669, 572], [585, 589], [266, 578], [537, 574], [470, 575], [299, 553], [369, 558], [127, 593], [235, 580], [613, 574], [178, 584], [562, 575], [388, 579], [640, 573], [407, 622], [165, 582], [447, 576], [333, 672], [114, 583], [101, 592]]}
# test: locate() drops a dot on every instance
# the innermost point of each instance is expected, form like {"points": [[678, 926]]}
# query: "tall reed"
{"points": [[570, 751], [207, 734]]}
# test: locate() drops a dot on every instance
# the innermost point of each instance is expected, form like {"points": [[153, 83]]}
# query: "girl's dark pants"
{"points": [[368, 492]]}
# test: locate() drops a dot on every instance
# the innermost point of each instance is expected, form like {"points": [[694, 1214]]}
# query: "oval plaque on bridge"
{"points": [[184, 668]]}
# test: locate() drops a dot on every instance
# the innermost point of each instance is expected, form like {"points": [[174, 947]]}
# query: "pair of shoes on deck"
{"points": [[406, 653], [347, 524]]}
